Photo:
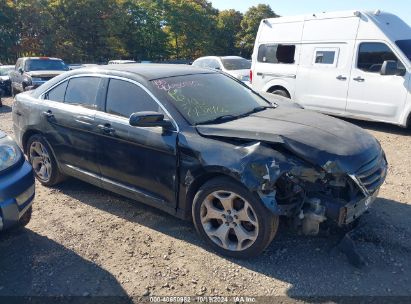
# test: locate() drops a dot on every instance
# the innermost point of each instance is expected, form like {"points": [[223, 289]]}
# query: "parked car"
{"points": [[235, 66], [16, 185], [31, 72], [351, 64], [121, 61], [5, 84], [202, 146]]}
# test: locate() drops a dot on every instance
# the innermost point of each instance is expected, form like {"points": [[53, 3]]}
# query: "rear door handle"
{"points": [[341, 77], [48, 114], [106, 128], [359, 79]]}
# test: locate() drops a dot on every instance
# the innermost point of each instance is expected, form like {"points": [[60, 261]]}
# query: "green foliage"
{"points": [[228, 25], [100, 30], [249, 27]]}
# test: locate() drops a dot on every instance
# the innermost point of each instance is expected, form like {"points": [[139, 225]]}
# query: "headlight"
{"points": [[9, 153]]}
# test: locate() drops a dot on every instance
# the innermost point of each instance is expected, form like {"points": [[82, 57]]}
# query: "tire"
{"points": [[219, 207], [25, 219], [43, 162], [281, 93]]}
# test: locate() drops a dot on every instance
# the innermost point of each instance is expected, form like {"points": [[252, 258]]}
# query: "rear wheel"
{"points": [[281, 93], [43, 162], [232, 220]]}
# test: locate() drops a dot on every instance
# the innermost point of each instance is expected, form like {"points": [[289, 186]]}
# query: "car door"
{"points": [[135, 161], [69, 126], [323, 76], [372, 95]]}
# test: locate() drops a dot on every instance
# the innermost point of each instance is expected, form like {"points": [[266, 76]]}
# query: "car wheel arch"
{"points": [[30, 133], [196, 185]]}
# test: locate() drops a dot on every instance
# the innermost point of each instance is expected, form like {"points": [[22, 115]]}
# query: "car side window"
{"points": [[125, 98], [57, 93], [371, 56], [83, 91], [214, 64], [199, 63], [276, 53]]}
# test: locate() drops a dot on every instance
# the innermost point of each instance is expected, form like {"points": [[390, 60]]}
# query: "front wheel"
{"points": [[232, 220]]}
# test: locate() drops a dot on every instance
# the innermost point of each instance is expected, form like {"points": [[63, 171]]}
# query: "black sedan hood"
{"points": [[333, 144]]}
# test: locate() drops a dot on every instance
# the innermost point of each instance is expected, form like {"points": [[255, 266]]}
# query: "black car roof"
{"points": [[152, 71]]}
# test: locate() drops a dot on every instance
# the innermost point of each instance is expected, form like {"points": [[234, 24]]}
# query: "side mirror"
{"points": [[390, 67], [21, 71], [149, 119], [218, 68]]}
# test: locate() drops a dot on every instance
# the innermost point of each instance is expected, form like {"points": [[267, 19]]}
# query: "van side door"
{"points": [[372, 95], [323, 76]]}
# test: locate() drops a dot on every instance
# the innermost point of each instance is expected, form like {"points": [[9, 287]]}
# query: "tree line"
{"points": [[100, 30]]}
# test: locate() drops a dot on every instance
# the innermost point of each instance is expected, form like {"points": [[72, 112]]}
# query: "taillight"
{"points": [[251, 76]]}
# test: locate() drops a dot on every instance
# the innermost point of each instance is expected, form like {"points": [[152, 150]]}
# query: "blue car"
{"points": [[16, 185]]}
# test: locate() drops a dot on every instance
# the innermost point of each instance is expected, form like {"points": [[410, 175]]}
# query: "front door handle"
{"points": [[106, 128], [48, 114], [341, 77], [359, 79]]}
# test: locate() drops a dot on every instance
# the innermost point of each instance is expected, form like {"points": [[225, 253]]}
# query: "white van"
{"points": [[352, 64]]}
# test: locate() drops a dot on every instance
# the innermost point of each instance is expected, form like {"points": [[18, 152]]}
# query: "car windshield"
{"points": [[5, 71], [46, 65], [405, 46], [207, 98], [236, 64]]}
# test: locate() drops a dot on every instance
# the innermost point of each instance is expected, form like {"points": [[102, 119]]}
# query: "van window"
{"points": [[371, 56], [125, 98], [324, 57], [405, 46], [276, 53]]}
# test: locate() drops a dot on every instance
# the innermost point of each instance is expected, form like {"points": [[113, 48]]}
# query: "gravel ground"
{"points": [[86, 241]]}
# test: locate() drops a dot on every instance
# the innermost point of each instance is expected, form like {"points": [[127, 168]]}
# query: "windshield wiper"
{"points": [[258, 109], [226, 117], [218, 119]]}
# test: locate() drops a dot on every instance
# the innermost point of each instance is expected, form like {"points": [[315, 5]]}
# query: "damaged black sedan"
{"points": [[201, 146]]}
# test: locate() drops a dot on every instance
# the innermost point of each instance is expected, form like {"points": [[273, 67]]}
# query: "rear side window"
{"points": [[125, 98], [276, 53], [83, 91], [371, 56], [58, 92]]}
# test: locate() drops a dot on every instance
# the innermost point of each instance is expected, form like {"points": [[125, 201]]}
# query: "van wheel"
{"points": [[42, 160], [281, 93], [232, 220]]}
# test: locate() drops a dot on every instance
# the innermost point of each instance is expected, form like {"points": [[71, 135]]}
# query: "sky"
{"points": [[401, 8]]}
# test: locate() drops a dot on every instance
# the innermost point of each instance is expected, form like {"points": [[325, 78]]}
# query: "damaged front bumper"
{"points": [[310, 196]]}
